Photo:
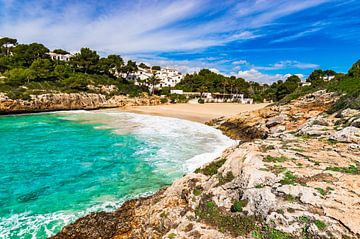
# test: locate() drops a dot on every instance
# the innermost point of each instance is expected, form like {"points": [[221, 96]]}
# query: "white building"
{"points": [[59, 57], [168, 77], [327, 77]]}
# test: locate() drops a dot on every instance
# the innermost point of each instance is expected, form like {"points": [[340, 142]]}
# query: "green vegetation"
{"points": [[277, 169], [289, 178], [332, 141], [276, 159], [352, 169], [172, 235], [289, 198], [321, 191], [270, 233], [320, 224], [300, 150], [238, 205], [235, 224], [28, 69], [214, 83], [197, 192], [222, 180], [211, 168]]}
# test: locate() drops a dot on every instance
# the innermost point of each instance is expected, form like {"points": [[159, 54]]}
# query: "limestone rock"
{"points": [[276, 120], [348, 113], [356, 123], [348, 135], [71, 101]]}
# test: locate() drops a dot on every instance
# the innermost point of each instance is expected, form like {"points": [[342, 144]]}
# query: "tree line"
{"points": [[29, 67]]}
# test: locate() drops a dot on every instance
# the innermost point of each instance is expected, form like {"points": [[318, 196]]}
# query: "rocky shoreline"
{"points": [[70, 101], [296, 174]]}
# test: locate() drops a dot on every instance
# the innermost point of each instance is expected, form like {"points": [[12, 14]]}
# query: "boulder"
{"points": [[356, 123], [315, 130], [278, 129], [347, 135], [315, 126], [276, 120], [348, 113]]}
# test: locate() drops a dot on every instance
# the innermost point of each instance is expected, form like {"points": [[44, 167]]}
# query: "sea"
{"points": [[57, 167]]}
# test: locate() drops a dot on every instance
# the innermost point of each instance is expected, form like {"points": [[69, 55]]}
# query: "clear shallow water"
{"points": [[57, 167]]}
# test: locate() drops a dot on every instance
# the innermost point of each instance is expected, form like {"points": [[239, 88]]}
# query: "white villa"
{"points": [[59, 57], [168, 77], [328, 77]]}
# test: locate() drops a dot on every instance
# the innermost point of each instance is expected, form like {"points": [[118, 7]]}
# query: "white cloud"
{"points": [[257, 76], [240, 62], [286, 65], [142, 26], [297, 35]]}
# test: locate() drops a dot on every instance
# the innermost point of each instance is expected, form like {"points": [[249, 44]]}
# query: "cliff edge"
{"points": [[70, 101]]}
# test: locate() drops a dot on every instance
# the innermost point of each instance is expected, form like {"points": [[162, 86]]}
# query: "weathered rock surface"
{"points": [[259, 124], [71, 101], [349, 135], [283, 185]]}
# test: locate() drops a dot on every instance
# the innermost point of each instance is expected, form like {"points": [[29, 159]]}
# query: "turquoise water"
{"points": [[57, 167]]}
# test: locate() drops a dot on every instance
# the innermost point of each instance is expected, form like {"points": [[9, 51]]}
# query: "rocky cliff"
{"points": [[295, 175], [71, 101]]}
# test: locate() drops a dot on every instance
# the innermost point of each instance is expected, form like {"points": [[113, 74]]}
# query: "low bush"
{"points": [[212, 168]]}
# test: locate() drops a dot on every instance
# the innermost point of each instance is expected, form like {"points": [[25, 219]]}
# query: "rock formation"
{"points": [[301, 180], [71, 101]]}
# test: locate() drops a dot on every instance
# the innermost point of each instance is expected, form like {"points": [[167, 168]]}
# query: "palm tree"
{"points": [[153, 81]]}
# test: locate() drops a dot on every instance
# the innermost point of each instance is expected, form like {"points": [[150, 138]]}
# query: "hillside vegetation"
{"points": [[27, 69]]}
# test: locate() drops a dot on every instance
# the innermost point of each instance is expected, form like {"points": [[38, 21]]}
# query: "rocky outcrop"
{"points": [[71, 101], [274, 119], [288, 184]]}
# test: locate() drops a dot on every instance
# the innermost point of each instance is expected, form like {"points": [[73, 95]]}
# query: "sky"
{"points": [[259, 40]]}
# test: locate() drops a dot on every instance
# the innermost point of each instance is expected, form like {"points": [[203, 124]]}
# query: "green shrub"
{"points": [[201, 101], [172, 235], [164, 100], [238, 205], [276, 159], [320, 224], [321, 191], [228, 178], [197, 192], [352, 169], [212, 168], [289, 178]]}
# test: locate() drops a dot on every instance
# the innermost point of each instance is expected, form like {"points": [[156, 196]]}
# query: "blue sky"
{"points": [[260, 40]]}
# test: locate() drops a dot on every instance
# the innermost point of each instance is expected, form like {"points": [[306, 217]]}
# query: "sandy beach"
{"points": [[196, 112]]}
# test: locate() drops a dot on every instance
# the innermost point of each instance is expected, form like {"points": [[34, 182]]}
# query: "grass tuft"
{"points": [[289, 178], [212, 168], [352, 169]]}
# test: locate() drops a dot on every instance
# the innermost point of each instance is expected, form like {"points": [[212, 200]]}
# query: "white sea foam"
{"points": [[172, 137], [179, 134], [25, 224]]}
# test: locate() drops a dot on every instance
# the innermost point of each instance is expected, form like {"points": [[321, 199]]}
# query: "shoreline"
{"points": [[200, 113]]}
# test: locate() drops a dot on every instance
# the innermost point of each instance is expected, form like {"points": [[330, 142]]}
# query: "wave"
{"points": [[28, 225]]}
